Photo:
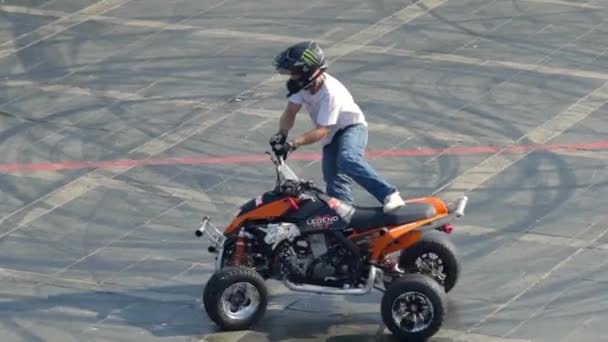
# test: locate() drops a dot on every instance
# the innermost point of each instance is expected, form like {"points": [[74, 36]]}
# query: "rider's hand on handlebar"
{"points": [[283, 149], [279, 137]]}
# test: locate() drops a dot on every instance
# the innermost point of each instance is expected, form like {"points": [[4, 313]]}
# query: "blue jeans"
{"points": [[343, 161]]}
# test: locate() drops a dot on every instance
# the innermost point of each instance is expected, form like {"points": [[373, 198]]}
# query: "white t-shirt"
{"points": [[332, 105]]}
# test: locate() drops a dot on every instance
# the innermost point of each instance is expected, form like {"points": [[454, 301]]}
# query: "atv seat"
{"points": [[368, 218]]}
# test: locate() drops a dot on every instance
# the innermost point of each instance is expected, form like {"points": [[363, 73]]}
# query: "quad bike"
{"points": [[312, 242]]}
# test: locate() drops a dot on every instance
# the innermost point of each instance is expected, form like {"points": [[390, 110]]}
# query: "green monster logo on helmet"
{"points": [[309, 58]]}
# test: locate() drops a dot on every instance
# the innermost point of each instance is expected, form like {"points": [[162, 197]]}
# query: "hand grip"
{"points": [[461, 205]]}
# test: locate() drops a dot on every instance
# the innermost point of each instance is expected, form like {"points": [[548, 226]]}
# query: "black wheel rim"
{"points": [[432, 265], [412, 311]]}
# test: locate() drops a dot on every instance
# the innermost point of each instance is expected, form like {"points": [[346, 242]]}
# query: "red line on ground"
{"points": [[242, 159]]}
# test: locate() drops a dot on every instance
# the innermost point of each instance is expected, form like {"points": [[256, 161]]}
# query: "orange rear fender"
{"points": [[399, 237]]}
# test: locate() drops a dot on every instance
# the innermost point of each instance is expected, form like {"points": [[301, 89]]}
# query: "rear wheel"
{"points": [[434, 255], [414, 307], [235, 298]]}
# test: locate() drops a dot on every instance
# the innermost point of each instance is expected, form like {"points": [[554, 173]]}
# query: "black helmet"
{"points": [[305, 58]]}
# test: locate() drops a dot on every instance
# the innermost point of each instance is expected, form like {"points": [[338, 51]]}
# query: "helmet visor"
{"points": [[284, 63], [283, 71]]}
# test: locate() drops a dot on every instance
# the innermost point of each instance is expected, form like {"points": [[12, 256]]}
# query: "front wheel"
{"points": [[235, 298], [434, 255], [414, 307]]}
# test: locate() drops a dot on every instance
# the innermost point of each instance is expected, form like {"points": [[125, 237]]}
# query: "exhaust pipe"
{"points": [[335, 291]]}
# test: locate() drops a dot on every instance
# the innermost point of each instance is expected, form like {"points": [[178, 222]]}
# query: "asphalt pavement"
{"points": [[99, 100]]}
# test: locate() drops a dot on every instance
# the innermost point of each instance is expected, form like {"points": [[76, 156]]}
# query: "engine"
{"points": [[312, 258], [329, 261]]}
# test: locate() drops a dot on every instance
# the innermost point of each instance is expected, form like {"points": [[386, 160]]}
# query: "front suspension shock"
{"points": [[239, 256]]}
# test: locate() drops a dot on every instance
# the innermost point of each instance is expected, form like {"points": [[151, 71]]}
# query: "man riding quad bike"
{"points": [[319, 241]]}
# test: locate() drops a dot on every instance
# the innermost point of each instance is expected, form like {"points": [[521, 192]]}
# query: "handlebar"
{"points": [[310, 185], [278, 158], [278, 155]]}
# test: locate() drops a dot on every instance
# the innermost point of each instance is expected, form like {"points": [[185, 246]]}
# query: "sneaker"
{"points": [[393, 201]]}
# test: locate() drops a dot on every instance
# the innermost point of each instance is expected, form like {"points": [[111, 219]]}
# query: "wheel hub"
{"points": [[432, 264], [240, 300]]}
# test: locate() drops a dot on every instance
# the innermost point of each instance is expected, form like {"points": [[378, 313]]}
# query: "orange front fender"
{"points": [[265, 211]]}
